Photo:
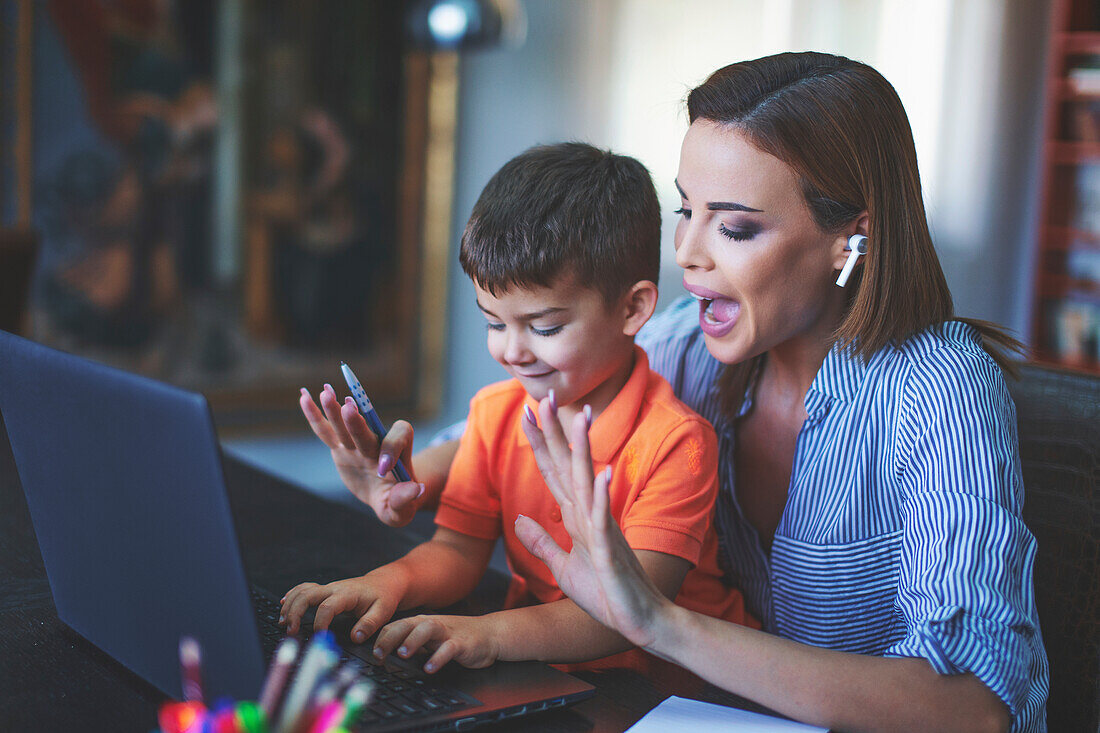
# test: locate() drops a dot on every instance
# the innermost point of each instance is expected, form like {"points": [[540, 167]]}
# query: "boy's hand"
{"points": [[373, 598], [364, 465], [468, 640]]}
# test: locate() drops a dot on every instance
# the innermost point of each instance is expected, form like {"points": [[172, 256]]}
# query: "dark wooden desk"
{"points": [[52, 679]]}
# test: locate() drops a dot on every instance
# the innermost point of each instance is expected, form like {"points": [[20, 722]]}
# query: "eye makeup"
{"points": [[739, 233]]}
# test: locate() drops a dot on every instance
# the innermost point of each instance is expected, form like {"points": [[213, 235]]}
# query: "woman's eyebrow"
{"points": [[721, 205], [731, 206]]}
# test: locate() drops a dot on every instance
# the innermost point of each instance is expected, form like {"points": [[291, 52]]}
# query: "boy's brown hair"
{"points": [[565, 209]]}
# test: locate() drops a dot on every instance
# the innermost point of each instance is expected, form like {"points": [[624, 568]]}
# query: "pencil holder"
{"points": [[306, 693]]}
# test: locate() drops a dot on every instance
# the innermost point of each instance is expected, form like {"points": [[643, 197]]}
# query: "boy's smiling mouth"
{"points": [[521, 375]]}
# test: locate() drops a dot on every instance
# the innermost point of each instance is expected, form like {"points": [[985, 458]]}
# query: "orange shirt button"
{"points": [[555, 514]]}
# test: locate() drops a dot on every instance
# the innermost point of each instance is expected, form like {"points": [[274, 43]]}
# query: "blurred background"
{"points": [[235, 195]]}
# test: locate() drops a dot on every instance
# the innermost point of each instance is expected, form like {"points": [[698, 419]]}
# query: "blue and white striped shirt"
{"points": [[902, 533]]}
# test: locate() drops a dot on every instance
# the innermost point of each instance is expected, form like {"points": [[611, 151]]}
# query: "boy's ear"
{"points": [[639, 303]]}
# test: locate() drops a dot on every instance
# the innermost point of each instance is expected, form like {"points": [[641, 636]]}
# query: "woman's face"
{"points": [[752, 254]]}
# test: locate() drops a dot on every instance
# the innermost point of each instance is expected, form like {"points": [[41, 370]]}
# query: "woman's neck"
{"points": [[795, 363]]}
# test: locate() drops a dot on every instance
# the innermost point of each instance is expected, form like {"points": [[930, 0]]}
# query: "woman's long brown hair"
{"points": [[842, 128]]}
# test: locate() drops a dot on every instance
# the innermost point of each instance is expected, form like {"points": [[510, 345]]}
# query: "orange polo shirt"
{"points": [[663, 488]]}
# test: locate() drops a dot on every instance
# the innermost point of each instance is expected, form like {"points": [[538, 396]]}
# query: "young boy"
{"points": [[563, 248]]}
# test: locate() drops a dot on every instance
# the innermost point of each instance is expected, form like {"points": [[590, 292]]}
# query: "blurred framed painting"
{"points": [[236, 196]]}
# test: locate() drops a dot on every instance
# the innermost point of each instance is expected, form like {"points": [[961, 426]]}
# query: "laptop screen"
{"points": [[124, 484]]}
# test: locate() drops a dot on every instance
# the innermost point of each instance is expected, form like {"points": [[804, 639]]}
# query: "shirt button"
{"points": [[555, 514]]}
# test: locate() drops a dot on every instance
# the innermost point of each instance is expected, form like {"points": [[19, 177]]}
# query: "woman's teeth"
{"points": [[708, 311], [717, 310]]}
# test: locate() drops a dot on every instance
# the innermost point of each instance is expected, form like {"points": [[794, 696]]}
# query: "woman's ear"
{"points": [[639, 303], [840, 243]]}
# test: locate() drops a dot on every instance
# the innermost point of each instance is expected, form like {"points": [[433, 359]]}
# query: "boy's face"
{"points": [[564, 337]]}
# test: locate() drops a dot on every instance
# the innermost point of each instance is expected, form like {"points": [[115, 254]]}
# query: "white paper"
{"points": [[690, 716]]}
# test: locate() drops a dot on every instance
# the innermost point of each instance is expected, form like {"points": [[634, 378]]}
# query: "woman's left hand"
{"points": [[468, 640], [601, 573]]}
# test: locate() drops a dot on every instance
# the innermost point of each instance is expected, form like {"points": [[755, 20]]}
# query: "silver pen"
{"points": [[366, 409]]}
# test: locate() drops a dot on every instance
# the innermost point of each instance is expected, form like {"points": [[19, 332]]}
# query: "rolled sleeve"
{"points": [[965, 583]]}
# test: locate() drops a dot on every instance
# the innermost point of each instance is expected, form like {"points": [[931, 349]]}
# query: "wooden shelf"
{"points": [[1059, 285], [1050, 360], [1061, 152], [1068, 112], [1067, 91], [1079, 42], [1060, 239]]}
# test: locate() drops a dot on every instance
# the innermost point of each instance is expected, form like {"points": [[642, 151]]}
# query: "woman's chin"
{"points": [[728, 349]]}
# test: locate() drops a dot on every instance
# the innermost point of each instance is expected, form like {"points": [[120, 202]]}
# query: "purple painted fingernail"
{"points": [[588, 415], [328, 388], [530, 415], [305, 392], [553, 402], [403, 651], [421, 492], [378, 653], [385, 463], [429, 667], [607, 474], [359, 636]]}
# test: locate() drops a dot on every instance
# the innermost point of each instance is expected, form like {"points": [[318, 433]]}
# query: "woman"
{"points": [[871, 494]]}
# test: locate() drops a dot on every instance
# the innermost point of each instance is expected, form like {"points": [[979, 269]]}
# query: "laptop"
{"points": [[124, 483]]}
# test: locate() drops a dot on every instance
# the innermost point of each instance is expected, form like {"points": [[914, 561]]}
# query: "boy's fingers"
{"points": [[331, 405], [391, 635], [445, 653], [403, 501], [330, 607], [378, 614], [398, 443], [423, 631], [298, 602], [317, 421], [365, 440]]}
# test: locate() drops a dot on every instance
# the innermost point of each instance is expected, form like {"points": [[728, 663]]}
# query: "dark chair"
{"points": [[1059, 426], [17, 252]]}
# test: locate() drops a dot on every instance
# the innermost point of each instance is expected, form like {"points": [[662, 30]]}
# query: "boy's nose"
{"points": [[516, 352]]}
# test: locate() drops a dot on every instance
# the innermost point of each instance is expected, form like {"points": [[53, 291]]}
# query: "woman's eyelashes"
{"points": [[738, 234]]}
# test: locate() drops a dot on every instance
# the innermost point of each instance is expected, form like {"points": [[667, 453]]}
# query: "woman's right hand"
{"points": [[601, 573], [364, 465]]}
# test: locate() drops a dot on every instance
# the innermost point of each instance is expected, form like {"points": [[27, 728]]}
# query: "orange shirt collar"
{"points": [[616, 423]]}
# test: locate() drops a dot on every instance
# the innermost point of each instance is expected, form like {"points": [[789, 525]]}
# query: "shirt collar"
{"points": [[840, 375], [616, 423]]}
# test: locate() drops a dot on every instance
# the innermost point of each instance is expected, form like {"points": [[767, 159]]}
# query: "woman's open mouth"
{"points": [[717, 314]]}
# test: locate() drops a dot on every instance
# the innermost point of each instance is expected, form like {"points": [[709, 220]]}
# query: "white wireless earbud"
{"points": [[858, 244]]}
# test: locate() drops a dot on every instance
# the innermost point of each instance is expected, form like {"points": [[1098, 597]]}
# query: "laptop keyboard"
{"points": [[399, 694]]}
